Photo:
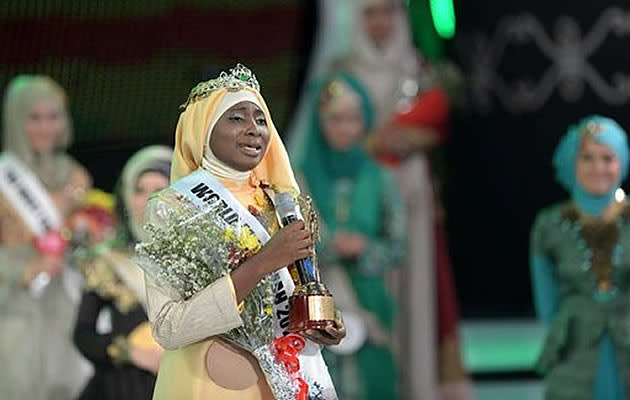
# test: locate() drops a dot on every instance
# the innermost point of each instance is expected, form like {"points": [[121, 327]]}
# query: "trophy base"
{"points": [[313, 311]]}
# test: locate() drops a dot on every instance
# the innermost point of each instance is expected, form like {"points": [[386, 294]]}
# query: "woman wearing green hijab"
{"points": [[363, 235]]}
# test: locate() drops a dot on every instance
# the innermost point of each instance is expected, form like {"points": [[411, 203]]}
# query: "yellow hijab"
{"points": [[191, 137]]}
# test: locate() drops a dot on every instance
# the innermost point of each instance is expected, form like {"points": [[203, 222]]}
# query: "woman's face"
{"points": [[597, 168], [147, 184], [342, 124], [240, 136], [378, 21], [45, 124]]}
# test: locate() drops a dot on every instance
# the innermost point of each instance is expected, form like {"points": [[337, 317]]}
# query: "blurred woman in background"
{"points": [[363, 236], [39, 293], [580, 260], [412, 112], [382, 54], [112, 330]]}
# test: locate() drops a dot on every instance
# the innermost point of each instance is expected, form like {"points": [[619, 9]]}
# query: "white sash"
{"points": [[28, 198], [31, 201], [204, 190]]}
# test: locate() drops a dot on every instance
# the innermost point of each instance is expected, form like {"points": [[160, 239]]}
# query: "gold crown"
{"points": [[239, 77], [592, 129]]}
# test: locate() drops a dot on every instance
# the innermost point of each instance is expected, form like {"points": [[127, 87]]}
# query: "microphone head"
{"points": [[285, 205]]}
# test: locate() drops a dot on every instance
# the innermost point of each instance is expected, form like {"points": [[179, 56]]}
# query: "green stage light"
{"points": [[443, 14]]}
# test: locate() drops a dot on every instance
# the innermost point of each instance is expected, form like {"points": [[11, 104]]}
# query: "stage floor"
{"points": [[526, 390], [501, 354]]}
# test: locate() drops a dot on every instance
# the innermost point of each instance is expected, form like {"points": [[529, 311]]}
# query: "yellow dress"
{"points": [[184, 374]]}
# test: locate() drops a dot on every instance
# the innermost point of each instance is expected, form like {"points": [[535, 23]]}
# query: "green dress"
{"points": [[354, 194], [370, 373], [581, 276]]}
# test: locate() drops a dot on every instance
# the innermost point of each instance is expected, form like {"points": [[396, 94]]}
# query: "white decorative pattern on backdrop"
{"points": [[568, 51]]}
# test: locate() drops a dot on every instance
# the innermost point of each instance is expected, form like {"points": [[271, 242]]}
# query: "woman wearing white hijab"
{"points": [[382, 54], [383, 57], [40, 186]]}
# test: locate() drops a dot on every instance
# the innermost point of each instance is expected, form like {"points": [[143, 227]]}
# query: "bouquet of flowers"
{"points": [[191, 247], [84, 232]]}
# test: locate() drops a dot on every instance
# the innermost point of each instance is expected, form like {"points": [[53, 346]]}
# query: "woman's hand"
{"points": [[401, 141], [349, 245], [331, 335], [291, 243], [52, 265], [147, 359]]}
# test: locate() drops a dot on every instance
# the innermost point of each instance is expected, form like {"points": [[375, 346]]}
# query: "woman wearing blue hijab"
{"points": [[580, 260]]}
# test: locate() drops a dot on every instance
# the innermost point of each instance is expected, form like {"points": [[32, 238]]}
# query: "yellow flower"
{"points": [[268, 310], [97, 197], [229, 235], [248, 240], [260, 199]]}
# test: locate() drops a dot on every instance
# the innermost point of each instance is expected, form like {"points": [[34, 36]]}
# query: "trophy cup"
{"points": [[312, 305]]}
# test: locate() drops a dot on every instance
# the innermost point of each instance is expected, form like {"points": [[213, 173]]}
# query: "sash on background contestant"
{"points": [[28, 198], [40, 186]]}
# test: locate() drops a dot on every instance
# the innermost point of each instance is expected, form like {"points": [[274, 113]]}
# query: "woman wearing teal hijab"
{"points": [[580, 260], [363, 234]]}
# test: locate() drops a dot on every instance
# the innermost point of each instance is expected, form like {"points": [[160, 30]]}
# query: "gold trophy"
{"points": [[312, 305]]}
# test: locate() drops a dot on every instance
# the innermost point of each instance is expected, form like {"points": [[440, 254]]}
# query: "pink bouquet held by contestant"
{"points": [[83, 234]]}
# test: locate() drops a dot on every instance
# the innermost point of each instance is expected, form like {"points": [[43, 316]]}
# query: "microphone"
{"points": [[288, 212]]}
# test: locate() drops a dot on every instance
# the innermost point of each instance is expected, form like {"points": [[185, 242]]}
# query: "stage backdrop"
{"points": [[534, 67], [128, 65]]}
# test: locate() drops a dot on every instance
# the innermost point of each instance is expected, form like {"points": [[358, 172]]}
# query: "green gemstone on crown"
{"points": [[239, 77]]}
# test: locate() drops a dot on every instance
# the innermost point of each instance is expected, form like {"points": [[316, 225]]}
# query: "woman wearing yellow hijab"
{"points": [[226, 129]]}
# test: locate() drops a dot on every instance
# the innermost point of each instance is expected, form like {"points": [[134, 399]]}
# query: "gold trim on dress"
{"points": [[101, 278]]}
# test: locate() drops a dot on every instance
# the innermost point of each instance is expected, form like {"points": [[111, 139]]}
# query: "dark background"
{"points": [[127, 65]]}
